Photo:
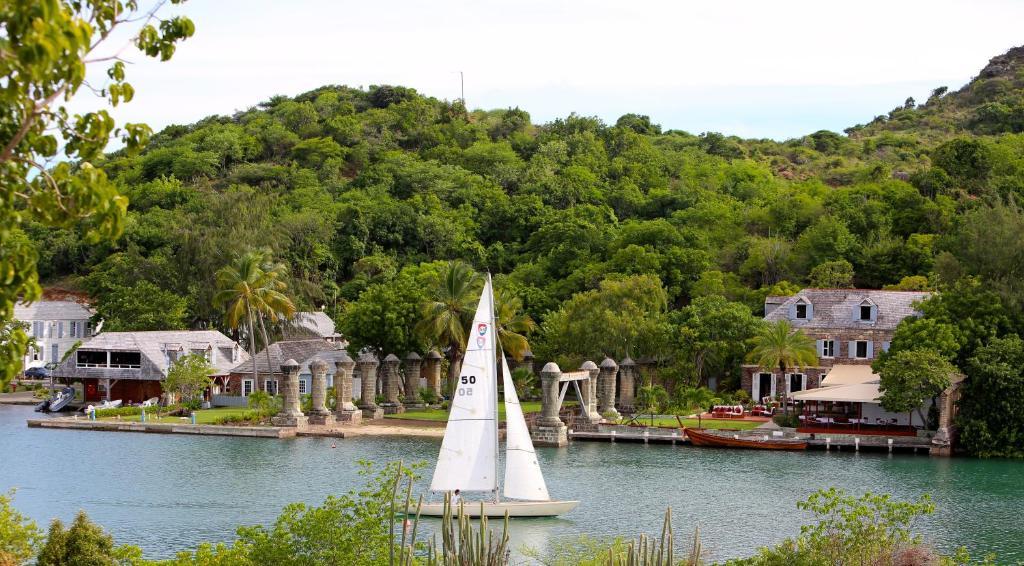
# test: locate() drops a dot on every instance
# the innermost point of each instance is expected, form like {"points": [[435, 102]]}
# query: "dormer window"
{"points": [[866, 311], [801, 311]]}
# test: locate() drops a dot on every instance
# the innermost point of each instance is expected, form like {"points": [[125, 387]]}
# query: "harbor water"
{"points": [[167, 493]]}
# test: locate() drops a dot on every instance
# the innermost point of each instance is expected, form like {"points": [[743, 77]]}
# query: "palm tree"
{"points": [[513, 324], [448, 312], [250, 290], [778, 345]]}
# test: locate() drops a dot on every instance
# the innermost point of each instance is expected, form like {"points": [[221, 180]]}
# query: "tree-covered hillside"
{"points": [[357, 192]]}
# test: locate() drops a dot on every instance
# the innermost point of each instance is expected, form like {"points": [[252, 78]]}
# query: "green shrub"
{"points": [[246, 417], [791, 420], [693, 399], [135, 411], [428, 395]]}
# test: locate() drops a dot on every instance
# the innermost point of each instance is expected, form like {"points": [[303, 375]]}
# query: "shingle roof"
{"points": [[834, 308], [302, 351], [51, 310], [311, 324], [152, 344]]}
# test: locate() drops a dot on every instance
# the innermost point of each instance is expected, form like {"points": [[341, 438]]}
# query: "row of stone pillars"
{"points": [[395, 384], [346, 368], [291, 409]]}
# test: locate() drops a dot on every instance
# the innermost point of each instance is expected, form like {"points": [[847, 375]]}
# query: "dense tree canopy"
{"points": [[45, 49], [614, 239]]}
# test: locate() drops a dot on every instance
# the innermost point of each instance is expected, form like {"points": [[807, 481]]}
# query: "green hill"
{"points": [[357, 191]]}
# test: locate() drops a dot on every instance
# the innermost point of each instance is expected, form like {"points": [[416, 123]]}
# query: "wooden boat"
{"points": [[700, 437]]}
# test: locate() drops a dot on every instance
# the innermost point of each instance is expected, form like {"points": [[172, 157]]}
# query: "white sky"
{"points": [[751, 68]]}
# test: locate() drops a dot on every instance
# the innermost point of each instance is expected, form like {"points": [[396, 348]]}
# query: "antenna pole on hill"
{"points": [[462, 87]]}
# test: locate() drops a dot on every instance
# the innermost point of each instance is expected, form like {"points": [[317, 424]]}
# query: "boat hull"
{"points": [[701, 438], [513, 508]]}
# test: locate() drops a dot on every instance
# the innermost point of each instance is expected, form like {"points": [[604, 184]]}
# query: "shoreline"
{"points": [[336, 431]]}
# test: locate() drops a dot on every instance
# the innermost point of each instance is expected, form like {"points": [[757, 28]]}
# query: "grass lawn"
{"points": [[204, 416], [439, 415], [704, 423]]}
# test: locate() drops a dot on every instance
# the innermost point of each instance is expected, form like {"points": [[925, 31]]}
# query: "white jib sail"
{"points": [[469, 451], [523, 478]]}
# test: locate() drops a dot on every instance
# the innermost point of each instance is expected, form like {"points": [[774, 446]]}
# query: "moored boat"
{"points": [[468, 460], [700, 437]]}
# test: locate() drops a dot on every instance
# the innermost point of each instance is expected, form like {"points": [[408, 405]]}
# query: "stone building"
{"points": [[303, 352], [56, 326], [130, 365], [848, 326]]}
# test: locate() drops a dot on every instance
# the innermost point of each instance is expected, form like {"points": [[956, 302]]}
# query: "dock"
{"points": [[838, 442], [163, 428], [645, 435]]}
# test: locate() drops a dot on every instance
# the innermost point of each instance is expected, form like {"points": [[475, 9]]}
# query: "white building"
{"points": [[56, 326]]}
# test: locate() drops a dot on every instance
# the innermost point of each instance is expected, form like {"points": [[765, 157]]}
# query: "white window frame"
{"points": [[302, 386], [856, 348], [789, 382], [247, 387], [827, 345], [797, 311], [756, 386], [266, 386]]}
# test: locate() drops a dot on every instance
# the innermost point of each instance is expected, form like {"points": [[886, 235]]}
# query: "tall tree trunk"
{"points": [[252, 349], [454, 369], [785, 398], [266, 348]]}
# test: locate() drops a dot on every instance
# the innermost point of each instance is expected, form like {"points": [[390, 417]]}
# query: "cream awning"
{"points": [[848, 374], [853, 393]]}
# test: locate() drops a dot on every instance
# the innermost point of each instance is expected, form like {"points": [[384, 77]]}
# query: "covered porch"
{"points": [[848, 403]]}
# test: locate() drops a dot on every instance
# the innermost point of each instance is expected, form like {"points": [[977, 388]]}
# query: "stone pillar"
{"points": [[319, 414], [942, 442], [589, 392], [392, 385], [434, 373], [291, 410], [606, 389], [549, 429], [344, 410], [527, 362], [368, 377], [627, 385], [413, 361]]}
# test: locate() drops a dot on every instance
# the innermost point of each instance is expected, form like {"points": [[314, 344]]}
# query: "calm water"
{"points": [[167, 492]]}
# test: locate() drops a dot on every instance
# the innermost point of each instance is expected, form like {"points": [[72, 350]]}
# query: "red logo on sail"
{"points": [[481, 328]]}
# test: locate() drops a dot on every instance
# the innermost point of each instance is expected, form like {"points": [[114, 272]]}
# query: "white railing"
{"points": [[111, 366]]}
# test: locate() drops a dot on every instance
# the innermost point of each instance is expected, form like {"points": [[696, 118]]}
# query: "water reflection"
{"points": [[166, 493]]}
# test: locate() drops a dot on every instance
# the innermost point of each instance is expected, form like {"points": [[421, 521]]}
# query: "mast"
{"points": [[494, 361]]}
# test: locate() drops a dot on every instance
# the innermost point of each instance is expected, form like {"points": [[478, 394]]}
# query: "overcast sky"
{"points": [[760, 68]]}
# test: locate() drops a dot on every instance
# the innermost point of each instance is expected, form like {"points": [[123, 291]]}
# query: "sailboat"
{"points": [[468, 460]]}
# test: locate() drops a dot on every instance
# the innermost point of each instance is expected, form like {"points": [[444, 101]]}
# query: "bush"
{"points": [[694, 399], [871, 529], [134, 411], [247, 417], [428, 395], [789, 421], [84, 543]]}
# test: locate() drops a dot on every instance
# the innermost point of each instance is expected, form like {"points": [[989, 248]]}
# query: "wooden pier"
{"points": [[839, 443], [644, 436]]}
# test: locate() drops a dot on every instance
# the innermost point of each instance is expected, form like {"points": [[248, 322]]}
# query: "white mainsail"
{"points": [[469, 451], [523, 478]]}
